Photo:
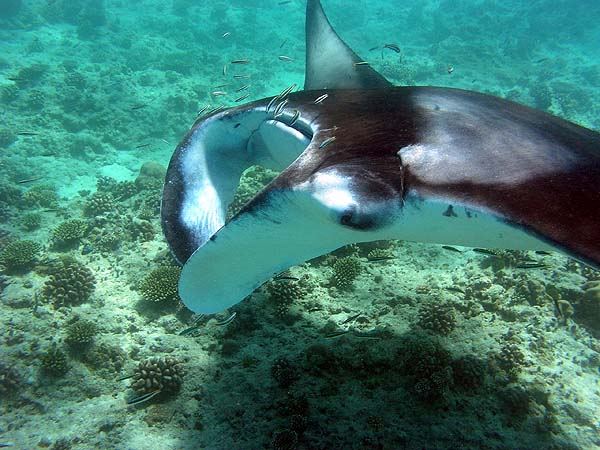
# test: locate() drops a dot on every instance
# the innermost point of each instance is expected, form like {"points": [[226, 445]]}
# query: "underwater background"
{"points": [[385, 345]]}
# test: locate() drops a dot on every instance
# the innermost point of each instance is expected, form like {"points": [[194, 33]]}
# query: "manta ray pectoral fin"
{"points": [[205, 169], [286, 224], [253, 247]]}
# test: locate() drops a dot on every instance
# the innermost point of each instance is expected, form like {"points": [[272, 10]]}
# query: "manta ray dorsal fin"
{"points": [[330, 63]]}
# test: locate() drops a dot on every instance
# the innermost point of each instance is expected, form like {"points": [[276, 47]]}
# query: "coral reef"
{"points": [[43, 196], [283, 372], [106, 239], [515, 400], [10, 380], [283, 293], [162, 374], [380, 253], [511, 359], [69, 233], [587, 310], [119, 190], [81, 333], [160, 285], [429, 366], [7, 137], [345, 271], [19, 255], [106, 360], [151, 176], [469, 372], [54, 362], [10, 93], [503, 259], [99, 203], [438, 318], [35, 100], [69, 284], [141, 230], [31, 221]]}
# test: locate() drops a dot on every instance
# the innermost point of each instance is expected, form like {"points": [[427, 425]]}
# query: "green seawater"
{"points": [[451, 350]]}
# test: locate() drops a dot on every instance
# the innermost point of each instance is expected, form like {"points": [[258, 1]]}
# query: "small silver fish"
{"points": [[351, 318], [393, 47], [29, 180], [327, 141], [287, 90], [320, 99], [241, 61], [243, 88], [280, 107], [243, 97], [285, 58], [189, 330], [143, 398], [125, 377], [272, 102], [203, 109], [337, 334], [228, 320], [295, 117], [215, 110]]}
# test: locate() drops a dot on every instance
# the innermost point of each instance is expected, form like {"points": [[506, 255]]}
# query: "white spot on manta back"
{"points": [[332, 190]]}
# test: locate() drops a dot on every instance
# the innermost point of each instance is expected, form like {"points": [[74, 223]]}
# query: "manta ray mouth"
{"points": [[205, 169]]}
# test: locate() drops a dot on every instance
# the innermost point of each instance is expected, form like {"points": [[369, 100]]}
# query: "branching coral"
{"points": [[345, 271], [511, 359], [99, 203], [31, 221], [81, 333], [69, 284], [54, 362], [43, 196], [160, 285], [158, 374], [19, 255], [438, 318], [69, 233]]}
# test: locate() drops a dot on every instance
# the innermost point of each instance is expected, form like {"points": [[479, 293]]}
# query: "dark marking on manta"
{"points": [[449, 212]]}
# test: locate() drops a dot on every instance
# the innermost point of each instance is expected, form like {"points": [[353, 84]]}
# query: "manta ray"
{"points": [[363, 160]]}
